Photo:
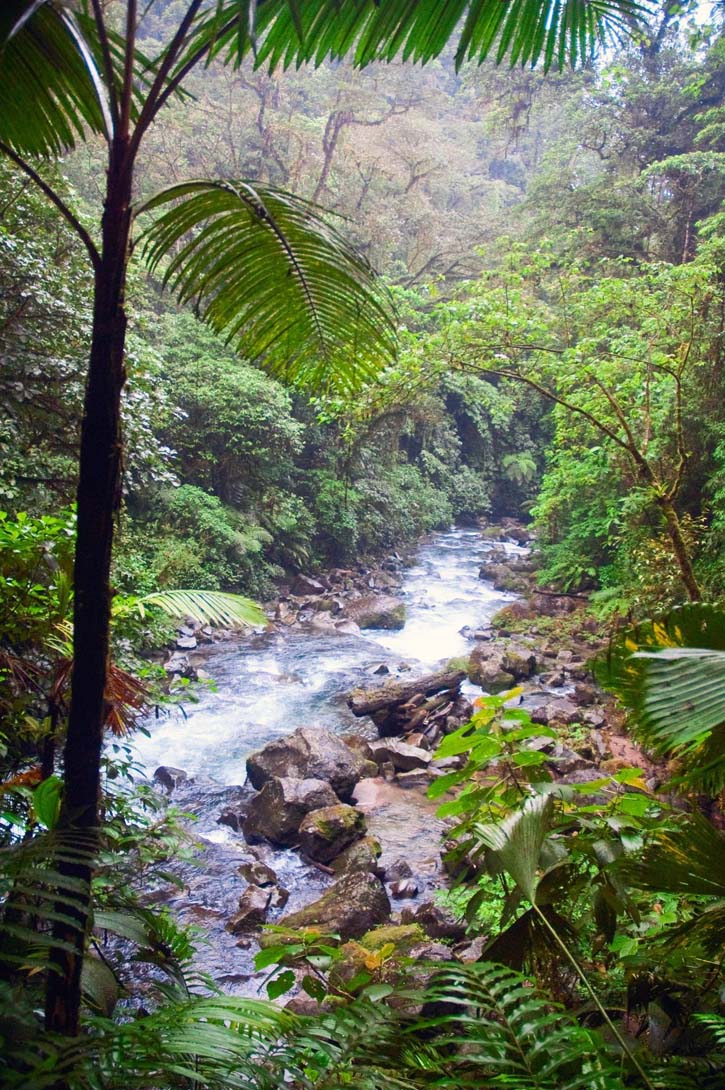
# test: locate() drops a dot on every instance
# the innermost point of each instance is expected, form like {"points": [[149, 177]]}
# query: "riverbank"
{"points": [[298, 675]]}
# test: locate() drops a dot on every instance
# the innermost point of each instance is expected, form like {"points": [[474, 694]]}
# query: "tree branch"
{"points": [[59, 203]]}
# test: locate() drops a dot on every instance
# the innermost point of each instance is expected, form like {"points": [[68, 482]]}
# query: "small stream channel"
{"points": [[266, 687]]}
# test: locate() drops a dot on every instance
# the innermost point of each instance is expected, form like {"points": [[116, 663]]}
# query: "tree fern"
{"points": [[502, 1032]]}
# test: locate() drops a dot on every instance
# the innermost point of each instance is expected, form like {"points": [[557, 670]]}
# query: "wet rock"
{"points": [[359, 745], [363, 855], [561, 710], [186, 643], [347, 628], [376, 611], [584, 695], [503, 578], [595, 717], [419, 777], [437, 922], [275, 814], [231, 817], [169, 777], [400, 868], [308, 753], [471, 951], [404, 889], [258, 873], [403, 757], [519, 661], [279, 897], [485, 668], [253, 907], [417, 739], [304, 586], [353, 905], [324, 833], [553, 681], [179, 666]]}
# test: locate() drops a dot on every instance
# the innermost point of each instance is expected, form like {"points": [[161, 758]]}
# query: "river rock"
{"points": [[560, 710], [519, 661], [170, 777], [304, 586], [485, 668], [417, 778], [308, 753], [403, 757], [437, 922], [353, 905], [186, 643], [253, 907], [325, 833], [258, 873], [363, 855], [275, 814], [404, 889], [376, 611]]}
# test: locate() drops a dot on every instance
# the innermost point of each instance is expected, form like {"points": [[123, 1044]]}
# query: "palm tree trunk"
{"points": [[98, 497]]}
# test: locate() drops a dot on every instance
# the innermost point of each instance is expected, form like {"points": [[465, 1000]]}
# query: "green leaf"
{"points": [[281, 984], [269, 273], [47, 801], [314, 988]]}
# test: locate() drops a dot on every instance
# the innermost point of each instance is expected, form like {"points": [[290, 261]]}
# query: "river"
{"points": [[267, 685]]}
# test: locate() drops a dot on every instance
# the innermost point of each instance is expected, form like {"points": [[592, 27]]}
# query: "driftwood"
{"points": [[395, 694]]}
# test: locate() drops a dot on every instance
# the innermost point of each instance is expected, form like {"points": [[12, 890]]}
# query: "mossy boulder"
{"points": [[363, 855], [402, 936], [352, 906], [326, 832], [376, 611], [276, 812]]}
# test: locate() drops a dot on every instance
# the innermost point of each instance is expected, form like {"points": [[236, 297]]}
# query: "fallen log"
{"points": [[391, 694]]}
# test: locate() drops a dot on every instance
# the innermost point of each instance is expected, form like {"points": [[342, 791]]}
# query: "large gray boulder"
{"points": [[275, 814], [308, 753], [353, 905], [327, 832], [376, 611]]}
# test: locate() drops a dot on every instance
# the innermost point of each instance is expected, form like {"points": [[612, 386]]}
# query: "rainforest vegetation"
{"points": [[346, 276]]}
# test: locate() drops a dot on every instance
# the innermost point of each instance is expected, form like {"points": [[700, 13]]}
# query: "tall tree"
{"points": [[264, 267]]}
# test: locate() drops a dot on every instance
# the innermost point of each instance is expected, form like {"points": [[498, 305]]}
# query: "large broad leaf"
{"points": [[516, 842], [51, 94], [286, 32], [671, 673], [267, 271]]}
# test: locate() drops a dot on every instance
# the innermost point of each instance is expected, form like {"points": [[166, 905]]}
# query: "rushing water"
{"points": [[268, 685]]}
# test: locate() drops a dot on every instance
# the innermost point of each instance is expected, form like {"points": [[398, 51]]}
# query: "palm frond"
{"points": [[671, 672], [267, 271], [689, 860], [52, 93], [208, 606], [285, 32], [516, 841], [501, 1032]]}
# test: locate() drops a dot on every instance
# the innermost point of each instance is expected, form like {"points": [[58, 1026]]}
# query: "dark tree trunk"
{"points": [[98, 496]]}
